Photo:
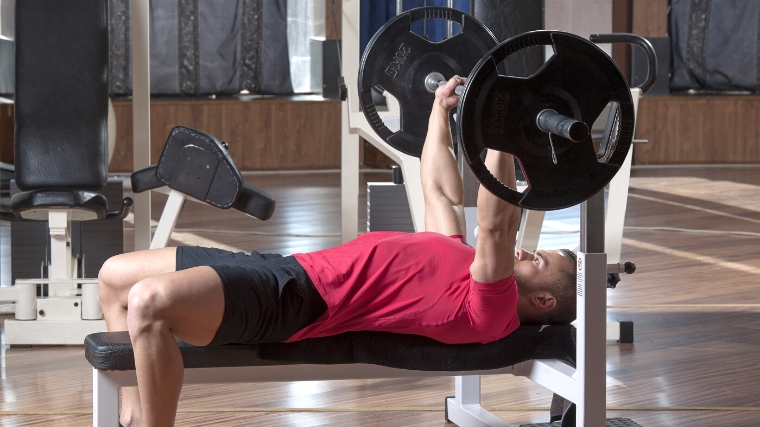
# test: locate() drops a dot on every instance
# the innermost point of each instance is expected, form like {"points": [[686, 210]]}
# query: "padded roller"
{"points": [[145, 179], [255, 203]]}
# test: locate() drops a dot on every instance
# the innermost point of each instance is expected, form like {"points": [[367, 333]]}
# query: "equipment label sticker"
{"points": [[398, 60], [499, 112]]}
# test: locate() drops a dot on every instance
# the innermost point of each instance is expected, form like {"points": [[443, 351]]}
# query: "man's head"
{"points": [[546, 283]]}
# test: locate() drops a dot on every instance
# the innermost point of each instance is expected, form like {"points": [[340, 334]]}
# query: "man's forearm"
{"points": [[493, 213], [439, 133], [442, 186], [438, 166]]}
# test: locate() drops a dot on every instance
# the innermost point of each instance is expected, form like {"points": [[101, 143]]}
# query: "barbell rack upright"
{"points": [[140, 24], [591, 352]]}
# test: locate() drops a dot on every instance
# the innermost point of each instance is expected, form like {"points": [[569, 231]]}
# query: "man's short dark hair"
{"points": [[565, 293]]}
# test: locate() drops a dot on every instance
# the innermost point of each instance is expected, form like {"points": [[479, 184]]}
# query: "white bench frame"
{"points": [[106, 384]]}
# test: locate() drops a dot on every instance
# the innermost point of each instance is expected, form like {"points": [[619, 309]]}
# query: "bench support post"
{"points": [[105, 400], [464, 409]]}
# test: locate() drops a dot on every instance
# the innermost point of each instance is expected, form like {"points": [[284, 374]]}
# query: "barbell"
{"points": [[544, 120]]}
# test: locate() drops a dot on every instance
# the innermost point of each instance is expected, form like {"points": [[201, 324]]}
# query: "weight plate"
{"points": [[499, 112], [398, 61]]}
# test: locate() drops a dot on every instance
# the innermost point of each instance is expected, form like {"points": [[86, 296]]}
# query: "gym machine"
{"points": [[61, 162], [546, 117], [193, 166], [196, 166]]}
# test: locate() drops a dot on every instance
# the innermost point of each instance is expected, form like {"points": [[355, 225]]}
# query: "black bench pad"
{"points": [[112, 351]]}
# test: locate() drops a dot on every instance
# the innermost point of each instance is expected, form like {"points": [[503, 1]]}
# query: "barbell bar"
{"points": [[548, 121], [552, 122]]}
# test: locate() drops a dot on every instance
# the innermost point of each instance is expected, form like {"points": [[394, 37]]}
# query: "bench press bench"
{"points": [[356, 355], [545, 354], [352, 355]]}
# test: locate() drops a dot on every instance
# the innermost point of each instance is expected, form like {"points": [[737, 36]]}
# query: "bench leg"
{"points": [[464, 409], [105, 400]]}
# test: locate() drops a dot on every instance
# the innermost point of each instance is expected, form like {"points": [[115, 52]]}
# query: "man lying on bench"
{"points": [[429, 283]]}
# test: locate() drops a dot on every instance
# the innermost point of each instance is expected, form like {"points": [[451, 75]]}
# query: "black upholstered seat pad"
{"points": [[60, 199], [112, 351]]}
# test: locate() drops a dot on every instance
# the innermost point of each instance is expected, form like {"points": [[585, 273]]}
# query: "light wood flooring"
{"points": [[694, 234]]}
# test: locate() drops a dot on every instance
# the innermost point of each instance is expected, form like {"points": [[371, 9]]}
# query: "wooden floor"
{"points": [[694, 234]]}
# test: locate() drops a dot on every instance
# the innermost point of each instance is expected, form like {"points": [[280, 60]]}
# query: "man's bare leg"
{"points": [[117, 276], [188, 304]]}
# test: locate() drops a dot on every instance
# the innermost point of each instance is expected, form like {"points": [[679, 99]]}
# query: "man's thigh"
{"points": [[121, 272], [191, 302]]}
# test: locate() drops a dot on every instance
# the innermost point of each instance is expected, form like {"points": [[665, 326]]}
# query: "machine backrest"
{"points": [[61, 97]]}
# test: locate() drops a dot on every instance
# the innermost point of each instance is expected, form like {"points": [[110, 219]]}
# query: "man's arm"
{"points": [[498, 222], [442, 185]]}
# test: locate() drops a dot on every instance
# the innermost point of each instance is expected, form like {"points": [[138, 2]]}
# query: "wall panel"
{"points": [[650, 18], [264, 134], [6, 133], [698, 130]]}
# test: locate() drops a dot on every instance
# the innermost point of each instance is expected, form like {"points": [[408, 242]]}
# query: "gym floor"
{"points": [[693, 232]]}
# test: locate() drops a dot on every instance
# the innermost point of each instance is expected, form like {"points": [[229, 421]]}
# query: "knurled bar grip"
{"points": [[458, 90], [435, 80], [566, 127]]}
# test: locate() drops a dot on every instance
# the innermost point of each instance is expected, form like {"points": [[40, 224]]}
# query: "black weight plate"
{"points": [[397, 60], [499, 112]]}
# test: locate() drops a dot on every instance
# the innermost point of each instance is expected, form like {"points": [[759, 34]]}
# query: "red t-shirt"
{"points": [[408, 283]]}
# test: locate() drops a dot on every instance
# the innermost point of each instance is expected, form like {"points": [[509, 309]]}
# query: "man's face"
{"points": [[540, 270]]}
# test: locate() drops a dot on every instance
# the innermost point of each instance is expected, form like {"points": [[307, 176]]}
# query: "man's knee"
{"points": [[110, 276], [146, 304]]}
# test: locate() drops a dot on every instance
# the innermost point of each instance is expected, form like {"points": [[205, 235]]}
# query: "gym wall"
{"points": [[680, 129], [689, 128], [200, 48], [283, 133]]}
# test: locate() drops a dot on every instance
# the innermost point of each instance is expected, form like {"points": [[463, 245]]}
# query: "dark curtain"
{"points": [[508, 18], [273, 42], [203, 47], [375, 13], [715, 46]]}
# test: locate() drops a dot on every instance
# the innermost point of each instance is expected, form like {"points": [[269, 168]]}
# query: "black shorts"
{"points": [[268, 297]]}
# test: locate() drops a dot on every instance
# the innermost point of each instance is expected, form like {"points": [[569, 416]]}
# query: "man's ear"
{"points": [[543, 301]]}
